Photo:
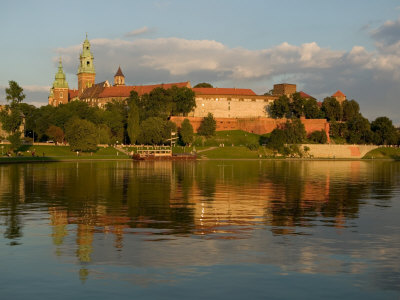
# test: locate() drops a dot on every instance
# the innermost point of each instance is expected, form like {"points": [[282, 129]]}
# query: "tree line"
{"points": [[347, 124]]}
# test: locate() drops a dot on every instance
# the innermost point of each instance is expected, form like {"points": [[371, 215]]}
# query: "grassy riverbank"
{"points": [[383, 153], [57, 153]]}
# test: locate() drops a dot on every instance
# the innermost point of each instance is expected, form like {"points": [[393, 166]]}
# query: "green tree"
{"points": [[14, 93], [332, 109], [183, 99], [311, 109], [384, 131], [203, 85], [133, 122], [207, 126], [82, 135], [280, 108], [186, 132], [318, 136], [277, 139], [295, 131], [351, 110], [296, 106], [15, 140], [152, 131], [11, 118], [358, 130], [104, 134], [55, 133]]}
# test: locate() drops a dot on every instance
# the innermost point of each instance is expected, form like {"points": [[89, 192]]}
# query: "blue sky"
{"points": [[322, 46]]}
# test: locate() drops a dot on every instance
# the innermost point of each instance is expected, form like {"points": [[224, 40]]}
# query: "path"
{"points": [[208, 149]]}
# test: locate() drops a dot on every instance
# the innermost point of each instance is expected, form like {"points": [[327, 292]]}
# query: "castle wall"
{"points": [[232, 106], [258, 125]]}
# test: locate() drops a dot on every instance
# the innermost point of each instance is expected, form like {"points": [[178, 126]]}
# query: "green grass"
{"points": [[228, 138], [383, 153], [54, 153], [238, 152]]}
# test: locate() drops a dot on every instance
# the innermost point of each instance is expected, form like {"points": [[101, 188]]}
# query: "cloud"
{"points": [[370, 77], [36, 88], [388, 34], [139, 31]]}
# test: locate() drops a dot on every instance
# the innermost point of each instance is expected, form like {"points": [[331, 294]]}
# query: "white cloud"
{"points": [[139, 31], [36, 88]]}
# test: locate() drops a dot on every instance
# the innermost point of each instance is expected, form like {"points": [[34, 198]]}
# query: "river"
{"points": [[200, 230]]}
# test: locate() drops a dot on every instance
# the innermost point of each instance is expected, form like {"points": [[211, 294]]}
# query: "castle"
{"points": [[225, 104]]}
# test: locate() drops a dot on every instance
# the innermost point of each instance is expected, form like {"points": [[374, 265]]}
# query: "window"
{"points": [[61, 94], [88, 63]]}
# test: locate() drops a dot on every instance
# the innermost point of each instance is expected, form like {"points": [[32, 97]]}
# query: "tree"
{"points": [[151, 131], [297, 105], [384, 131], [332, 109], [207, 126], [55, 133], [280, 108], [104, 134], [15, 140], [318, 137], [82, 135], [203, 85], [11, 118], [351, 110], [295, 131], [358, 130], [277, 139], [183, 99], [311, 109], [186, 132], [133, 122], [14, 93]]}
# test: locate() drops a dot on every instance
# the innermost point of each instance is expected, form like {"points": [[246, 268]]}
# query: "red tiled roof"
{"points": [[99, 91], [304, 95], [72, 94], [338, 94], [223, 91]]}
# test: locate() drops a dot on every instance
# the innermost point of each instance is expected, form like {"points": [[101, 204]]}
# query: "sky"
{"points": [[320, 45]]}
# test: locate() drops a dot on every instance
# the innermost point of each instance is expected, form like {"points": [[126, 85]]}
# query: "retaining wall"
{"points": [[338, 151]]}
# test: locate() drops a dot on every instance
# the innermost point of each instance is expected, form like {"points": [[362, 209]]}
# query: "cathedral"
{"points": [[96, 94]]}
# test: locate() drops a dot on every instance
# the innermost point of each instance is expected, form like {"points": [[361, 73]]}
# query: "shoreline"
{"points": [[21, 161]]}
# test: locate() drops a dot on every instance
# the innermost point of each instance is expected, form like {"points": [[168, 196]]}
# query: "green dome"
{"points": [[60, 79]]}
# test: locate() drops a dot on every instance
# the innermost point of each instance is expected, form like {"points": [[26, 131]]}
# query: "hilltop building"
{"points": [[222, 102], [233, 108]]}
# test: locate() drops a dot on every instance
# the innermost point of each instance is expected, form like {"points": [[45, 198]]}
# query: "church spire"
{"points": [[86, 73], [60, 80], [119, 78]]}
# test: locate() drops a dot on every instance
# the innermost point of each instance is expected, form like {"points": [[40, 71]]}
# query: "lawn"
{"points": [[51, 152], [383, 153]]}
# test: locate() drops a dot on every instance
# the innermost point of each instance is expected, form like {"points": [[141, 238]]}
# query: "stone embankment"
{"points": [[338, 151]]}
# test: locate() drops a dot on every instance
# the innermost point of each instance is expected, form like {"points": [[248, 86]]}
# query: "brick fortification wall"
{"points": [[258, 125]]}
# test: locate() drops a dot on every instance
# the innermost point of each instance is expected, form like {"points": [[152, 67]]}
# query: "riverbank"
{"points": [[51, 153]]}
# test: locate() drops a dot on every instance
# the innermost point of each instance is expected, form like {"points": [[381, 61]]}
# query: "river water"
{"points": [[200, 230]]}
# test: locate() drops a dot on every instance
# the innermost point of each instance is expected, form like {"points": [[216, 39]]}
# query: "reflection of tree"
{"points": [[13, 194]]}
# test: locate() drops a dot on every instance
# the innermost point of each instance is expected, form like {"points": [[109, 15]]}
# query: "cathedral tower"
{"points": [[59, 91], [86, 73], [119, 78]]}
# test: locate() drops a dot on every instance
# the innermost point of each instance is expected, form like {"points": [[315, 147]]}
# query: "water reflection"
{"points": [[92, 206]]}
